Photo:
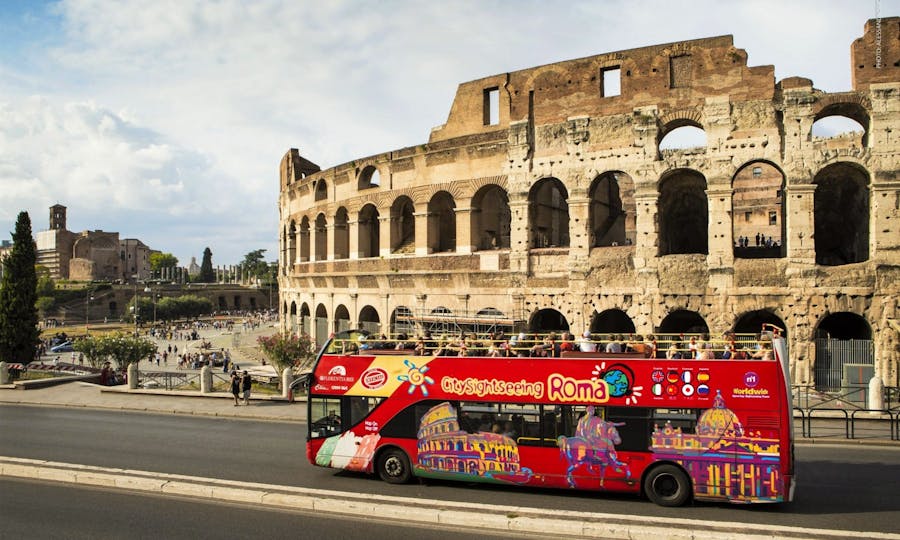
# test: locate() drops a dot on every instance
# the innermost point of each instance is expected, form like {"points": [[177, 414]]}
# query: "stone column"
{"points": [[464, 241], [287, 378], [800, 225], [133, 376], [4, 373], [422, 247], [353, 224], [579, 235], [206, 380], [384, 235]]}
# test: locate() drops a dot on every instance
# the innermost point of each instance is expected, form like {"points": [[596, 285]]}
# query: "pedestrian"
{"points": [[235, 387], [246, 383]]}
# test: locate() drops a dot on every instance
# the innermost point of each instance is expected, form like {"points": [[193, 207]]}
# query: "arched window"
{"points": [[548, 214], [683, 213], [369, 232], [548, 320], [369, 178], [841, 211], [842, 120], [321, 238], [321, 190], [757, 217], [341, 318], [304, 239], [612, 321], [403, 226], [611, 220], [441, 223], [490, 218], [682, 135], [341, 234], [369, 319]]}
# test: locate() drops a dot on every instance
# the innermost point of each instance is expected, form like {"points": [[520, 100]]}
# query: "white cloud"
{"points": [[166, 120]]}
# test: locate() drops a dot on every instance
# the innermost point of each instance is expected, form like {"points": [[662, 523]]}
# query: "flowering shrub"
{"points": [[287, 350]]}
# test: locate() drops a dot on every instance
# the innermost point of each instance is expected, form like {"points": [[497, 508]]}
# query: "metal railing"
{"points": [[844, 412]]}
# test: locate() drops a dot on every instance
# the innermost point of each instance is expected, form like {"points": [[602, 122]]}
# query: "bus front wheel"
{"points": [[393, 466], [667, 485]]}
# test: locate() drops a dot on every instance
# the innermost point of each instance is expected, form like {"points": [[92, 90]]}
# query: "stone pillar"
{"points": [[422, 248], [384, 235], [579, 235], [329, 241], [518, 233], [884, 234], [133, 376], [4, 373], [800, 224], [464, 241], [647, 241], [876, 395], [206, 380], [720, 259], [354, 238]]}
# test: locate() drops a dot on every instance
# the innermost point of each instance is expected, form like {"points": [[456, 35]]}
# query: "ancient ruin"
{"points": [[551, 200]]}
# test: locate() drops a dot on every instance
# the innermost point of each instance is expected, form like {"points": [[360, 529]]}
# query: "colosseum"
{"points": [[553, 199]]}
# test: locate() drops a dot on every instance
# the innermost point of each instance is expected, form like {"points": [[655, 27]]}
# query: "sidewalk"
{"points": [[221, 404]]}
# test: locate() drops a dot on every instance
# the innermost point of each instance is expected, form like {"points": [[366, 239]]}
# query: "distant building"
{"points": [[193, 268], [90, 255]]}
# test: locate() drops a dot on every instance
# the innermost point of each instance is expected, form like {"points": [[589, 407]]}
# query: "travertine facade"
{"points": [[546, 201]]}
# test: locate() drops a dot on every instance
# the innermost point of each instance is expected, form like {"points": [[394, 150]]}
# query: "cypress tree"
{"points": [[206, 269], [19, 333]]}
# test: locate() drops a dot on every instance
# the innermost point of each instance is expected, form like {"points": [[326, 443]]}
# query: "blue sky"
{"points": [[166, 120]]}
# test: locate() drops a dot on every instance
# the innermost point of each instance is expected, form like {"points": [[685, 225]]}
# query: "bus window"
{"points": [[520, 420], [405, 424], [327, 412], [476, 416], [633, 425], [360, 407]]}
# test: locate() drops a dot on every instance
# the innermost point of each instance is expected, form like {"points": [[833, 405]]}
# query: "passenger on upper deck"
{"points": [[585, 344]]}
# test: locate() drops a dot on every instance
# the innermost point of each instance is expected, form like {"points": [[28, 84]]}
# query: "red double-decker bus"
{"points": [[672, 429]]}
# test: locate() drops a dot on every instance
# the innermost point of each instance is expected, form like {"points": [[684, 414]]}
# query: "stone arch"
{"points": [[752, 322], [369, 319], [841, 213], [369, 177], [341, 318], [368, 232], [491, 218], [441, 223], [757, 217], [402, 321], [305, 319], [548, 210], [321, 324], [844, 351], [548, 320], [292, 317], [321, 192], [290, 256], [683, 213], [681, 129], [341, 234], [304, 239], [403, 225], [612, 321], [683, 321], [611, 218], [845, 106], [321, 236]]}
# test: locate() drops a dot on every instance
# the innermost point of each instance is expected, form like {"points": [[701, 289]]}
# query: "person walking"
{"points": [[246, 383], [235, 387]]}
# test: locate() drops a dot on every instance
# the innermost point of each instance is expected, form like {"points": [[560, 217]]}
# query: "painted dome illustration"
{"points": [[719, 420]]}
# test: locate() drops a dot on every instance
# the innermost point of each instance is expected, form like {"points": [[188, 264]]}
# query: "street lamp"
{"points": [[87, 299]]}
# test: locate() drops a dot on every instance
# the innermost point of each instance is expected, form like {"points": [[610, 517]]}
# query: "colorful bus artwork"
{"points": [[671, 429]]}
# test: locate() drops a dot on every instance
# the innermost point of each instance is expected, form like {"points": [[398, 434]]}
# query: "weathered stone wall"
{"points": [[601, 220]]}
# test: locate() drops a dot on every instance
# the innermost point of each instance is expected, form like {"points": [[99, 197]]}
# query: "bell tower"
{"points": [[57, 217]]}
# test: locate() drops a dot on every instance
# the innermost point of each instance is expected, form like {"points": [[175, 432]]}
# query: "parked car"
{"points": [[65, 346]]}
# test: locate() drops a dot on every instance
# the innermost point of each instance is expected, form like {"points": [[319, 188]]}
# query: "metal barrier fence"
{"points": [[845, 413], [180, 380]]}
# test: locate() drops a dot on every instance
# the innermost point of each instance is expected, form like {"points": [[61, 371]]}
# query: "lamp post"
{"points": [[87, 299], [134, 305]]}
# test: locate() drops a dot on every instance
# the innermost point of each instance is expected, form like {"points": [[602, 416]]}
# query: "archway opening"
{"points": [[611, 219], [841, 212], [548, 214], [402, 322], [683, 213], [341, 318], [369, 178], [321, 238], [612, 321], [491, 218], [548, 320], [341, 234], [321, 193], [369, 320], [757, 221], [403, 226], [304, 239], [683, 137], [321, 325], [369, 232], [441, 223], [845, 355]]}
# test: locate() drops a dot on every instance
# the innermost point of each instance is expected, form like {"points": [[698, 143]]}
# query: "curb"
{"points": [[412, 510]]}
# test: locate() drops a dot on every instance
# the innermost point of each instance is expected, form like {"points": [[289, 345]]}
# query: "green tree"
{"points": [[122, 349], [206, 268], [19, 332], [158, 261], [287, 351], [255, 266]]}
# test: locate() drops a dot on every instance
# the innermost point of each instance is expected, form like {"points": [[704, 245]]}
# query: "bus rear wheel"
{"points": [[667, 485], [393, 466]]}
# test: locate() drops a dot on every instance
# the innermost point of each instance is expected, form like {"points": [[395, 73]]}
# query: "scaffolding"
{"points": [[443, 321]]}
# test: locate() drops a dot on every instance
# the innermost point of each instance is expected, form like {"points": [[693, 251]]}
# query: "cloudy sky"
{"points": [[166, 120]]}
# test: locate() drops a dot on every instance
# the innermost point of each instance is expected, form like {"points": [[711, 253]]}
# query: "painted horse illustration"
{"points": [[593, 446]]}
